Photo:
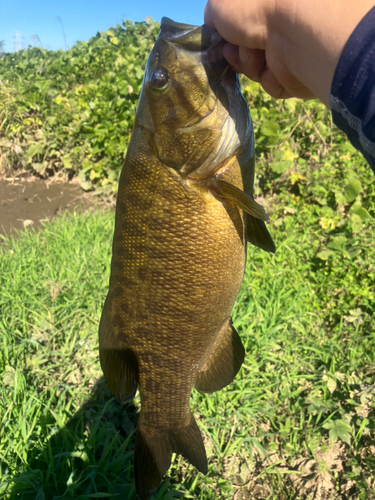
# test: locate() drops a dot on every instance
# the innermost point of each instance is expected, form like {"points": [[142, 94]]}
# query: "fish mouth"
{"points": [[190, 37], [203, 40], [206, 41], [220, 113], [170, 29]]}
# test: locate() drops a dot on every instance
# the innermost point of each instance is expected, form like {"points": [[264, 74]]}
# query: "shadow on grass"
{"points": [[91, 456]]}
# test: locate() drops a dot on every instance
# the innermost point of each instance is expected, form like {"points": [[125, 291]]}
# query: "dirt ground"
{"points": [[29, 201]]}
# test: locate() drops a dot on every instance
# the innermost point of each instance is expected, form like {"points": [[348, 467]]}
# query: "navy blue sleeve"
{"points": [[352, 98]]}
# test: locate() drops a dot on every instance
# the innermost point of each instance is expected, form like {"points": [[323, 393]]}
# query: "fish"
{"points": [[185, 212]]}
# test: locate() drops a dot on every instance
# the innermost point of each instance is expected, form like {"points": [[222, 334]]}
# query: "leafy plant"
{"points": [[74, 109], [300, 416]]}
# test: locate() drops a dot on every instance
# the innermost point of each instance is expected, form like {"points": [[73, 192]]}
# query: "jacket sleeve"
{"points": [[352, 97]]}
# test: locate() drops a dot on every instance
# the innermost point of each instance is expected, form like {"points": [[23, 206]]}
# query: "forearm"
{"points": [[352, 98]]}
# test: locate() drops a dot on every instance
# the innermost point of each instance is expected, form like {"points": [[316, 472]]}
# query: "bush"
{"points": [[74, 109]]}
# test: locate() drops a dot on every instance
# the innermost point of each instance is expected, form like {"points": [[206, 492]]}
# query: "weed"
{"points": [[298, 419]]}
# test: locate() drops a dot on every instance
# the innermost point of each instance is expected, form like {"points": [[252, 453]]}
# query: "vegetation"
{"points": [[299, 419], [74, 109]]}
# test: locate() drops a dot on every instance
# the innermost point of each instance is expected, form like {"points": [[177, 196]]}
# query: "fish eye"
{"points": [[159, 79]]}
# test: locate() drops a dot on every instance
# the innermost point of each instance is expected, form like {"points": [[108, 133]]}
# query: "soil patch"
{"points": [[28, 202]]}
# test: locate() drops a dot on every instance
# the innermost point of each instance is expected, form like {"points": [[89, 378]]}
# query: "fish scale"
{"points": [[184, 214]]}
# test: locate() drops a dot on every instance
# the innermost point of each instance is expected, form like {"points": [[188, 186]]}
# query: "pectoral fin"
{"points": [[224, 362], [257, 234], [239, 198]]}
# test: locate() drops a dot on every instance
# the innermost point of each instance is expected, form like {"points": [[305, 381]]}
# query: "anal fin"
{"points": [[224, 362], [257, 234], [120, 370]]}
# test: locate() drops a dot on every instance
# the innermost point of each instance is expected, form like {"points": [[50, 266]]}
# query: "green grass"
{"points": [[298, 419]]}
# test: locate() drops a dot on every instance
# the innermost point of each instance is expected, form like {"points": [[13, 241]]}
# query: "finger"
{"points": [[271, 85], [230, 53], [209, 15], [251, 62], [228, 19]]}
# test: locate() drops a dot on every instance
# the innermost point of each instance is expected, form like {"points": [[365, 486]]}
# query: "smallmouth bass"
{"points": [[185, 211]]}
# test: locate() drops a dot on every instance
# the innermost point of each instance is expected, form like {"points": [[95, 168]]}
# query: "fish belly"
{"points": [[177, 266]]}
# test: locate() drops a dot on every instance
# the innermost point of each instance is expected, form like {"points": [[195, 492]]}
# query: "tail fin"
{"points": [[153, 453]]}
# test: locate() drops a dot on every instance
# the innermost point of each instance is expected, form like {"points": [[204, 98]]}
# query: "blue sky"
{"points": [[21, 19]]}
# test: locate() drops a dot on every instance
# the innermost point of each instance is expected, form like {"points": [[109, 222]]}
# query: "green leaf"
{"points": [[270, 129], [337, 243], [353, 252], [360, 211], [244, 472], [338, 429], [67, 162], [39, 167], [340, 198], [322, 201], [51, 120], [37, 360], [87, 165], [325, 254], [281, 166], [9, 376], [356, 223], [352, 190], [333, 434], [35, 149], [86, 185], [331, 385], [114, 40], [343, 431]]}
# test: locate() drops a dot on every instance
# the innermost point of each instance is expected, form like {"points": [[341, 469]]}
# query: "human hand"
{"points": [[291, 47]]}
